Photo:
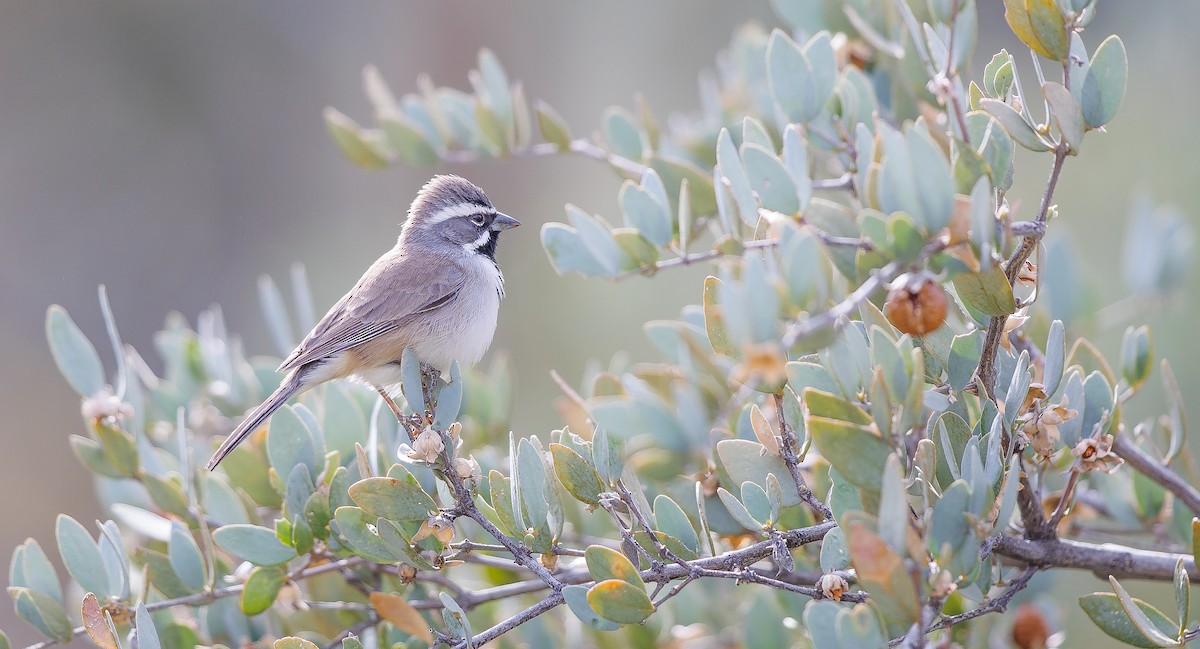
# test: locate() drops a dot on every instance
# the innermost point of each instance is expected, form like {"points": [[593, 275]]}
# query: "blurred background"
{"points": [[175, 151]]}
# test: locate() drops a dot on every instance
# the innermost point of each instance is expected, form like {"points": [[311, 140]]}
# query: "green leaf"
{"points": [[574, 472], [74, 354], [91, 454], [639, 252], [43, 612], [770, 180], [950, 529], [834, 555], [672, 520], [934, 183], [1012, 121], [674, 171], [167, 494], [620, 601], [1140, 618], [531, 482], [397, 499], [255, 544], [455, 618], [186, 560], [1137, 355], [606, 563], [745, 460], [354, 529], [622, 133], [262, 586], [714, 321], [1196, 541], [351, 139], [859, 627], [790, 79], [1183, 587], [1107, 612], [1066, 112], [1040, 25], [449, 400], [830, 406], [893, 506], [733, 171], [576, 598], [408, 140], [986, 291], [1050, 26], [597, 240], [645, 213], [292, 642], [1104, 85], [553, 126], [855, 451], [564, 246], [162, 577], [82, 557], [119, 448], [147, 635], [291, 442], [1056, 351], [820, 620], [964, 358], [31, 568]]}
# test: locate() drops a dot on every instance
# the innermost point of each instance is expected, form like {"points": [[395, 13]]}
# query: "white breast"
{"points": [[462, 330]]}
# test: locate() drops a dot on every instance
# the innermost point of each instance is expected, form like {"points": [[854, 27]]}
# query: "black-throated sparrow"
{"points": [[437, 292]]}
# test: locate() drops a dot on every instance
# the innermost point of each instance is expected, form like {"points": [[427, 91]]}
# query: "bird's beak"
{"points": [[504, 222]]}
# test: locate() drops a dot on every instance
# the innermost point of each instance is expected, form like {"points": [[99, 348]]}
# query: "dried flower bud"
{"points": [[1095, 454], [467, 468], [427, 446], [1030, 629], [762, 364], [833, 586], [105, 404], [549, 561], [290, 598], [437, 527], [408, 573], [916, 304]]}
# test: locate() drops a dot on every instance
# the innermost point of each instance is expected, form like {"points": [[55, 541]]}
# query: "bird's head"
{"points": [[450, 210]]}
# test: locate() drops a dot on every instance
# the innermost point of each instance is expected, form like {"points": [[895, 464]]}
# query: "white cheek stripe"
{"points": [[457, 210], [478, 243]]}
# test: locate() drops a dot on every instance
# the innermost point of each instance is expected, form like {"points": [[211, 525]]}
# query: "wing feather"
{"points": [[395, 288]]}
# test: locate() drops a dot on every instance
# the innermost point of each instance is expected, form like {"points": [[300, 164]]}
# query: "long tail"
{"points": [[291, 386]]}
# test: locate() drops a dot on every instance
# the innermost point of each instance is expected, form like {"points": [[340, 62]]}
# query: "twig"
{"points": [[552, 600], [788, 452], [580, 146], [1102, 560], [1063, 501], [209, 596], [997, 605], [991, 345], [353, 631], [1152, 468], [844, 181], [694, 257]]}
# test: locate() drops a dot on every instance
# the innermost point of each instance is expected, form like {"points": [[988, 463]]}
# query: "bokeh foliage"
{"points": [[856, 416]]}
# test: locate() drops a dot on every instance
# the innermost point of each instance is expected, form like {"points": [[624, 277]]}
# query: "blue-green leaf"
{"points": [[81, 555], [186, 560], [1104, 86], [73, 353], [255, 544]]}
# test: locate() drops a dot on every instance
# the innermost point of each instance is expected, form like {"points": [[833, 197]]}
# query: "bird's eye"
{"points": [[479, 219]]}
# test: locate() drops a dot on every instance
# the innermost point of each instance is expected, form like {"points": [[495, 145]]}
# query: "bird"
{"points": [[437, 292]]}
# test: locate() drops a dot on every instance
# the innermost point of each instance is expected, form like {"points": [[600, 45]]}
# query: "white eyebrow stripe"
{"points": [[457, 210], [478, 243]]}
